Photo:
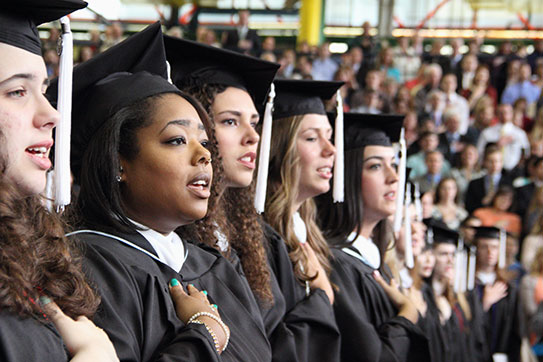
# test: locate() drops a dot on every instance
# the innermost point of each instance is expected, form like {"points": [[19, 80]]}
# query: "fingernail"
{"points": [[44, 300], [214, 306], [174, 282], [376, 273], [192, 285], [204, 291]]}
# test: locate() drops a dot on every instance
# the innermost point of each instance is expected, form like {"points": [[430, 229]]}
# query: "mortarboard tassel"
{"points": [[49, 191], [62, 179], [401, 183], [463, 270], [338, 192], [430, 236], [409, 262], [503, 246], [471, 270], [169, 71], [264, 155]]}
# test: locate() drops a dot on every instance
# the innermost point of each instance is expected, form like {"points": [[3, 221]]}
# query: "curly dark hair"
{"points": [[36, 258], [231, 212]]}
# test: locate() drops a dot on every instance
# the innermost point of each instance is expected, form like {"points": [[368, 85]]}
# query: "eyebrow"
{"points": [[380, 158], [237, 113], [181, 122], [27, 76]]}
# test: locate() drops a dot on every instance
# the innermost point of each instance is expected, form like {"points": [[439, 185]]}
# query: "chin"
{"points": [[240, 180]]}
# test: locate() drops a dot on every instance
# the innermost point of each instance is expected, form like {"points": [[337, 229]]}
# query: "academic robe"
{"points": [[502, 324], [370, 328], [300, 327], [139, 315], [440, 349], [27, 339]]}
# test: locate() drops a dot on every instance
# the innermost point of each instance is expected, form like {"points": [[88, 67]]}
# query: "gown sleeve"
{"points": [[370, 327], [135, 313], [300, 327]]}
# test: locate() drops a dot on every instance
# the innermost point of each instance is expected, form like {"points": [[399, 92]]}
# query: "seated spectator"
{"points": [[520, 115], [533, 217], [434, 108], [467, 170], [434, 165], [288, 62], [405, 60], [498, 213], [410, 126], [534, 240], [303, 68], [480, 89], [484, 117], [447, 206], [481, 190], [522, 88], [531, 296], [536, 55], [468, 68], [432, 79], [510, 138], [370, 103], [417, 162], [324, 67], [386, 64], [451, 142], [456, 101]]}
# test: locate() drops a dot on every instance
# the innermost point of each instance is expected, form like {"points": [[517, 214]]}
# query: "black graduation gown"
{"points": [[300, 328], [370, 328], [432, 328], [27, 339], [457, 337], [139, 316], [501, 323]]}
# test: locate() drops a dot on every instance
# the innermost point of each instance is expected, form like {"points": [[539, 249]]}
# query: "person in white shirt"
{"points": [[449, 84], [510, 138]]}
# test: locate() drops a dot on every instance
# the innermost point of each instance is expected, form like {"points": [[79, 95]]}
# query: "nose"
{"points": [[46, 117], [250, 135], [328, 149], [201, 155], [391, 175]]}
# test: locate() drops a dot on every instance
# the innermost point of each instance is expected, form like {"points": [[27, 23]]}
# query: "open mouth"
{"points": [[248, 160], [199, 185], [390, 196], [325, 172], [39, 154]]}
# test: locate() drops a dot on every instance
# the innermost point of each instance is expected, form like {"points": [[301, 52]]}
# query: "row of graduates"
{"points": [[178, 265]]}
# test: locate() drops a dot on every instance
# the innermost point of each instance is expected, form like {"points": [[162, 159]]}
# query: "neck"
{"points": [[486, 268], [367, 227]]}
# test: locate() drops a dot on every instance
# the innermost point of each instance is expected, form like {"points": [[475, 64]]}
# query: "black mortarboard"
{"points": [[441, 233], [487, 232], [19, 20], [371, 129], [298, 97], [124, 74], [195, 64]]}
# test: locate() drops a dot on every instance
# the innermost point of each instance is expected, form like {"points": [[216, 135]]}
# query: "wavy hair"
{"points": [[282, 194], [36, 258], [231, 213]]}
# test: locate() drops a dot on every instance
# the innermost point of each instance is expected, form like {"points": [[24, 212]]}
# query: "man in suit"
{"points": [[523, 195], [434, 165], [242, 39], [481, 190]]}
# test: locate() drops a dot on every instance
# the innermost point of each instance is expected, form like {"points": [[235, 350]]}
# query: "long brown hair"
{"points": [[36, 259], [282, 194], [231, 212]]}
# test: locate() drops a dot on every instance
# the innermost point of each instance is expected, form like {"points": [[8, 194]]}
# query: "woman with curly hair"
{"points": [[141, 157], [231, 90], [45, 299]]}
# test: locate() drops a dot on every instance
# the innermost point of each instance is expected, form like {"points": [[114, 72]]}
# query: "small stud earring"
{"points": [[118, 178]]}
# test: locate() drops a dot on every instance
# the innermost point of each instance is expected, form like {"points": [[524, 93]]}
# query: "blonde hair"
{"points": [[282, 194], [537, 264]]}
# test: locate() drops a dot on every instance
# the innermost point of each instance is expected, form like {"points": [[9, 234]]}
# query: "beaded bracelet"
{"points": [[210, 331], [215, 318]]}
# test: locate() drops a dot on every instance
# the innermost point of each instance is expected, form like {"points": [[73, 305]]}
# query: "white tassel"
{"points": [[503, 248], [338, 192], [457, 266], [264, 155], [463, 270], [401, 183], [409, 260], [49, 191], [63, 131], [169, 72], [471, 270]]}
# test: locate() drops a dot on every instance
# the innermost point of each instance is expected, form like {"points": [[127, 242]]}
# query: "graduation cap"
{"points": [[124, 74], [299, 97], [19, 20], [372, 130], [195, 64], [440, 232]]}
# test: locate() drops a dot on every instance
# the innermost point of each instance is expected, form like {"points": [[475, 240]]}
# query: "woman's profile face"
{"points": [[379, 182], [316, 156], [235, 118], [503, 202], [166, 184], [26, 118], [447, 191]]}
